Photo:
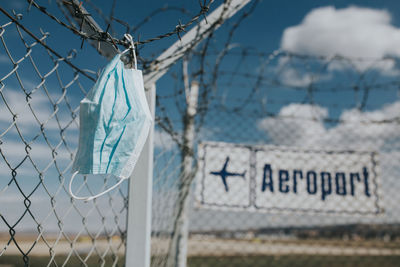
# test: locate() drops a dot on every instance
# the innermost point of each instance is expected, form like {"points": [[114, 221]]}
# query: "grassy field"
{"points": [[292, 261], [249, 261]]}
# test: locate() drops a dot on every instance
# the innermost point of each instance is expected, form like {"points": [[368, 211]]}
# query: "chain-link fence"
{"points": [[40, 93], [295, 157], [297, 162], [41, 86]]}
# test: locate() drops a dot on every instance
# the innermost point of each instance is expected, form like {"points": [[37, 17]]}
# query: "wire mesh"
{"points": [[246, 98], [284, 101], [40, 93]]}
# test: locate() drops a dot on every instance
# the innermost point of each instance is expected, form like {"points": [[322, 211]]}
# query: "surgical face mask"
{"points": [[114, 123]]}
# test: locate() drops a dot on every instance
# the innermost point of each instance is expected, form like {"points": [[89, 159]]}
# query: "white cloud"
{"points": [[12, 146], [292, 78], [349, 32], [296, 76], [162, 140], [41, 106], [13, 198], [295, 124], [303, 125], [15, 151], [356, 130]]}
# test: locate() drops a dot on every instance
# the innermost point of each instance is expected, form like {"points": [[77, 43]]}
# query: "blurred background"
{"points": [[300, 86]]}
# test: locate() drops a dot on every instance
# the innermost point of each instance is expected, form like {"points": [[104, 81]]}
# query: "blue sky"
{"points": [[264, 30]]}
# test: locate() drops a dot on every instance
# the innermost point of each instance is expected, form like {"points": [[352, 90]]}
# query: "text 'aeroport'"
{"points": [[323, 183]]}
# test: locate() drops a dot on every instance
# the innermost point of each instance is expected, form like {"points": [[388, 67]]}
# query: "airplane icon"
{"points": [[224, 174]]}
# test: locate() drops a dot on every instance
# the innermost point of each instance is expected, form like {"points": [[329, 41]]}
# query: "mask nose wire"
{"points": [[91, 197], [129, 38]]}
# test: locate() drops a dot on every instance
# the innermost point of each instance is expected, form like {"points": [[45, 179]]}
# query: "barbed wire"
{"points": [[248, 89], [233, 99], [106, 36], [133, 28], [215, 77]]}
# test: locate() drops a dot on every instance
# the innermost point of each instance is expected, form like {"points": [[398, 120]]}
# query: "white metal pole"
{"points": [[90, 27], [178, 250], [138, 227], [140, 187], [175, 51]]}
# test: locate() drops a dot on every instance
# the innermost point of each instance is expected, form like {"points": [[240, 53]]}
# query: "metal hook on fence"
{"points": [[131, 48]]}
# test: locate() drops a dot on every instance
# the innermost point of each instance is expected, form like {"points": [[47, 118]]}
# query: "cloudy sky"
{"points": [[356, 29]]}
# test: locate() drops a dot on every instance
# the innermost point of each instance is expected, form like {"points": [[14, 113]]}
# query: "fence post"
{"points": [[177, 256], [138, 237]]}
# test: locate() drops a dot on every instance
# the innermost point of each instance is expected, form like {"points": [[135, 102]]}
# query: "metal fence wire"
{"points": [[294, 112], [304, 113], [39, 95]]}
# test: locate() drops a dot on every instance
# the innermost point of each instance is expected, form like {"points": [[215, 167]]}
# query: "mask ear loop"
{"points": [[129, 38], [91, 197]]}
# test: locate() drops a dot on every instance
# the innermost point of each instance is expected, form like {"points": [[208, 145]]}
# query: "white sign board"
{"points": [[283, 179]]}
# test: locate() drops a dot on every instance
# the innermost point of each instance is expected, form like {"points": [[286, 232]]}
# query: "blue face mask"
{"points": [[114, 124]]}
